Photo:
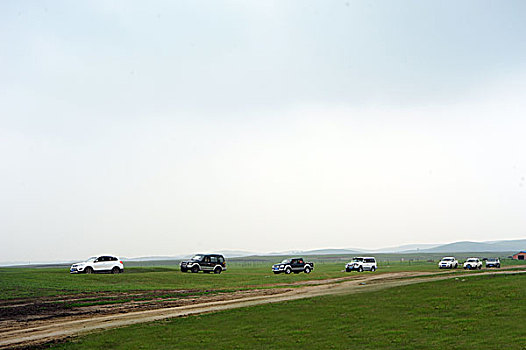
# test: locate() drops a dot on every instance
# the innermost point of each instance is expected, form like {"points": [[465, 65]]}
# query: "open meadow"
{"points": [[257, 307], [461, 313], [242, 273]]}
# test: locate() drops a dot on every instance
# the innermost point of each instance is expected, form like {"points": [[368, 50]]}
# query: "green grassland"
{"points": [[22, 282], [242, 273], [464, 313]]}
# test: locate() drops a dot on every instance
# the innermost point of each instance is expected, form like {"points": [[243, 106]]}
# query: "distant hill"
{"points": [[235, 253], [407, 247], [152, 258], [329, 251], [226, 253], [467, 246], [511, 246], [464, 246]]}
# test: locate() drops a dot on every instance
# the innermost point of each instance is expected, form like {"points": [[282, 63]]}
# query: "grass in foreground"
{"points": [[476, 312]]}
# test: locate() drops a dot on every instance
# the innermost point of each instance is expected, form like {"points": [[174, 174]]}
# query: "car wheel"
{"points": [[498, 266], [88, 270], [468, 267], [480, 267], [288, 270], [307, 269], [373, 269], [360, 269], [184, 270], [115, 270], [195, 269], [217, 270], [348, 270]]}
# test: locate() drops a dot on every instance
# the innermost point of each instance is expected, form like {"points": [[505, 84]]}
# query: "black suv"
{"points": [[204, 262]]}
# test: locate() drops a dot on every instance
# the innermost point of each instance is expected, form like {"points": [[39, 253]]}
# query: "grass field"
{"points": [[28, 282], [17, 283], [477, 312]]}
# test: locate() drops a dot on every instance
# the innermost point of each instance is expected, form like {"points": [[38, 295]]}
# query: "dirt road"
{"points": [[22, 326]]}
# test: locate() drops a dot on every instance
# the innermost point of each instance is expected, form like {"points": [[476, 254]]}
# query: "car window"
{"points": [[357, 259], [221, 259], [213, 259], [286, 261]]}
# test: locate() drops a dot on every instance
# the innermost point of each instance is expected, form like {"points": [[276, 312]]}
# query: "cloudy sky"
{"points": [[160, 128]]}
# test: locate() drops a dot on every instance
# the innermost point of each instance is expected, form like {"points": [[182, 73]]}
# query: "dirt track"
{"points": [[22, 325]]}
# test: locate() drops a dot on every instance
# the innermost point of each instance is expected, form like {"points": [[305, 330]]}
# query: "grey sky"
{"points": [[162, 128]]}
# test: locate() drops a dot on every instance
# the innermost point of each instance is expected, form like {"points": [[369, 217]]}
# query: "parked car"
{"points": [[97, 264], [295, 265], [448, 262], [204, 262], [493, 262], [361, 264], [473, 263]]}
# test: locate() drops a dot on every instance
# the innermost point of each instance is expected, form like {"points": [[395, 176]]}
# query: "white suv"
{"points": [[448, 262], [493, 262], [103, 263], [361, 264], [473, 263]]}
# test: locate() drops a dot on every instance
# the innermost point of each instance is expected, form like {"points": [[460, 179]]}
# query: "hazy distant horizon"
{"points": [[169, 128], [405, 248]]}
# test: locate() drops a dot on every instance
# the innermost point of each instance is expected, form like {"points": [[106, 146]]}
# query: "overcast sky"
{"points": [[159, 128]]}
